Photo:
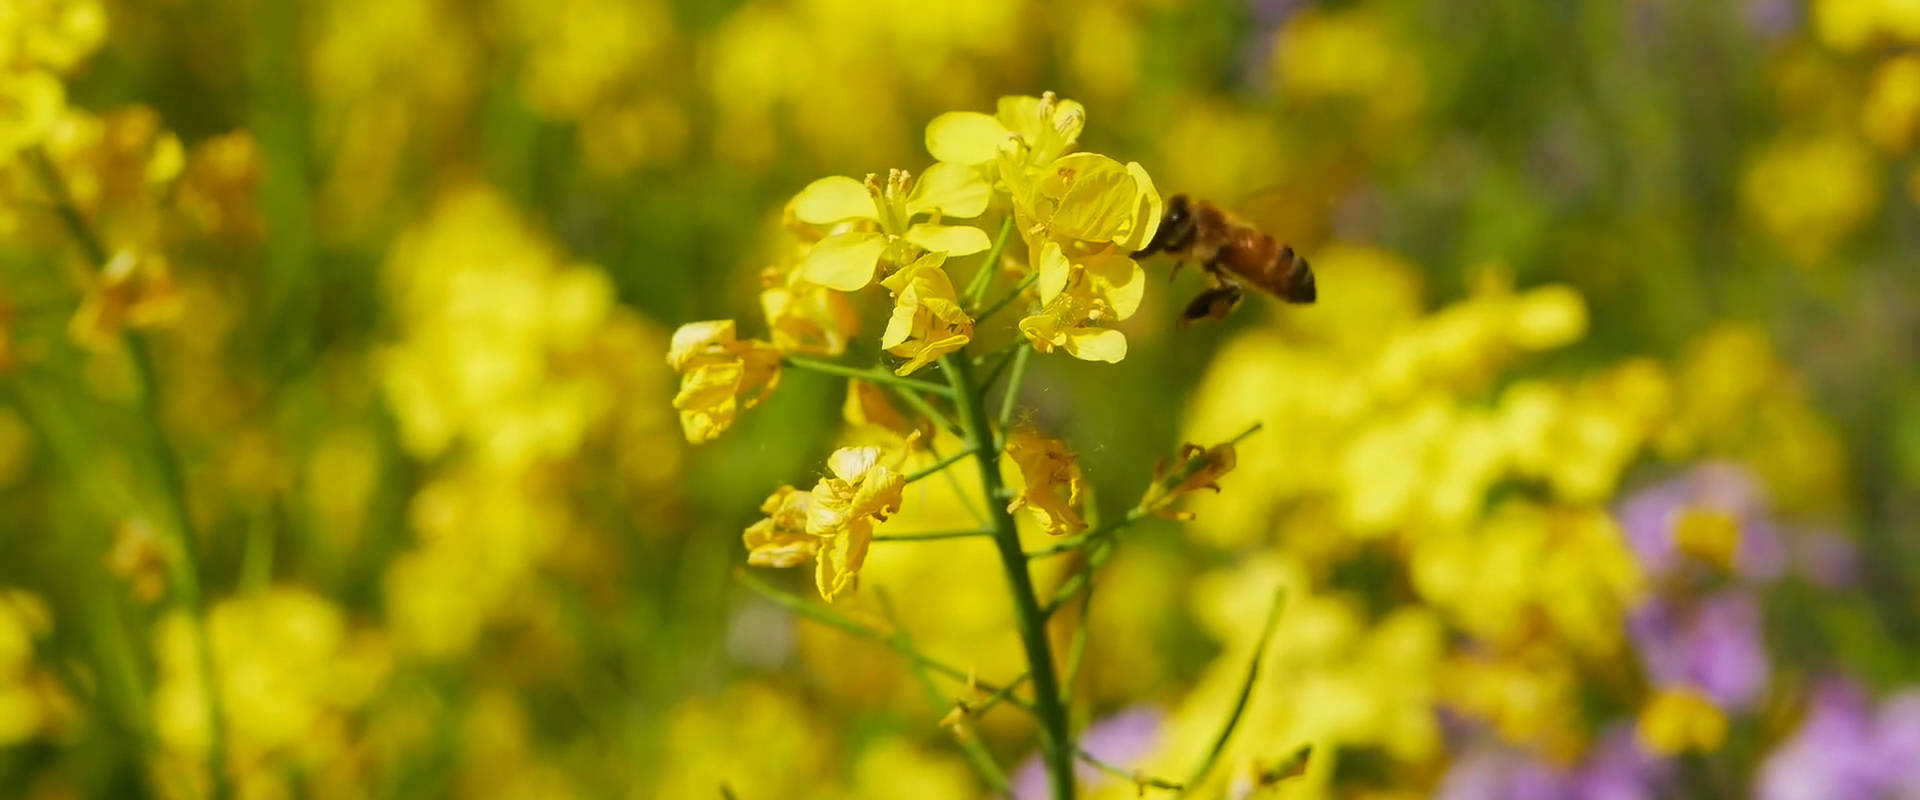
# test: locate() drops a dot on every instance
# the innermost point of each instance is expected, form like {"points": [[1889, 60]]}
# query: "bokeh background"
{"points": [[1593, 471]]}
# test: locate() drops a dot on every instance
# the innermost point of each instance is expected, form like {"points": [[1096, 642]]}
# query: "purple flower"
{"points": [[1831, 756], [1767, 548], [1648, 519], [1773, 19], [1615, 769], [1714, 645], [1121, 740]]}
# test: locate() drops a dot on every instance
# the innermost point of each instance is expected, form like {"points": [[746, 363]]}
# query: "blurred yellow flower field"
{"points": [[828, 399]]}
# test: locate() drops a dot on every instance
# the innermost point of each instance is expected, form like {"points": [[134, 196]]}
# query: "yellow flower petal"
{"points": [[1054, 270], [691, 339], [846, 261], [1090, 197], [954, 240], [834, 199], [965, 137], [781, 540], [1146, 210], [951, 189], [1118, 278], [837, 565], [1097, 344]]}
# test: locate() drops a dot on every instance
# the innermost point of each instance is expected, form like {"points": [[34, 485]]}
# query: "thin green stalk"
{"points": [[976, 752], [926, 409], [1139, 780], [1009, 298], [834, 619], [1054, 747], [928, 537], [959, 491], [1081, 539], [1012, 393], [1080, 580], [879, 376], [1246, 690], [942, 464], [998, 695], [1000, 364], [183, 574], [977, 287], [1077, 647]]}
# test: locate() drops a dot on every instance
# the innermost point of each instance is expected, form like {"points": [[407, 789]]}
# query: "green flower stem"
{"points": [[927, 410], [1000, 364], [1011, 296], [1082, 579], [1137, 779], [942, 464], [183, 573], [893, 641], [998, 695], [1012, 393], [976, 752], [928, 537], [1077, 647], [1079, 540], [1054, 744], [1246, 691], [879, 376], [977, 287]]}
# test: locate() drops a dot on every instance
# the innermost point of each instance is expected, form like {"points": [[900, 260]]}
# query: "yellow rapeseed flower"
{"points": [[863, 488], [718, 374], [30, 102], [135, 290], [1053, 481], [805, 317], [848, 258], [1708, 535], [781, 539], [928, 321], [1075, 320], [1024, 133], [1679, 719], [1891, 113]]}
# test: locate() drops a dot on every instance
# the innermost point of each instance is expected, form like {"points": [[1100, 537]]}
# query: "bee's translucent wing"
{"points": [[1300, 215]]}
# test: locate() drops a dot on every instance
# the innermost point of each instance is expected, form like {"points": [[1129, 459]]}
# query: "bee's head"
{"points": [[1178, 211]]}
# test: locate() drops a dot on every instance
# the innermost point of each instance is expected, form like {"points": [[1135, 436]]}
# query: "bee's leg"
{"points": [[1176, 270], [1214, 303], [1219, 276]]}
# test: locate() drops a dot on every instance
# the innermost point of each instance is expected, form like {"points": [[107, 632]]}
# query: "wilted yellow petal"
{"points": [[965, 137], [691, 339], [837, 566], [951, 189], [834, 199], [954, 240], [845, 262], [1051, 479]]}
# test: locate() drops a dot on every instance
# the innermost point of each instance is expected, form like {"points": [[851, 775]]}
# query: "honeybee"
{"points": [[1232, 252]]}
